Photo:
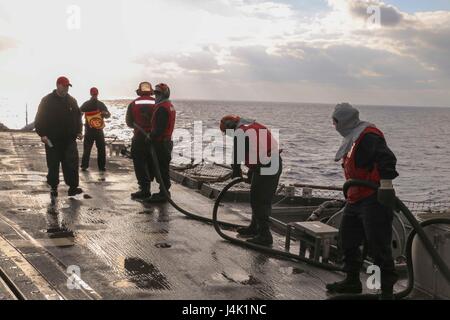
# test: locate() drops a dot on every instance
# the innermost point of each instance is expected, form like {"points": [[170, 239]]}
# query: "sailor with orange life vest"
{"points": [[256, 147], [139, 117], [163, 124], [368, 214], [95, 112]]}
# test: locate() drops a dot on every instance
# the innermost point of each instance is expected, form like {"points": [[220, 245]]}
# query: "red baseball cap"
{"points": [[94, 91], [63, 81]]}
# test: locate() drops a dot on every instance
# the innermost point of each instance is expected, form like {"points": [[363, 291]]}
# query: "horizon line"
{"points": [[293, 102]]}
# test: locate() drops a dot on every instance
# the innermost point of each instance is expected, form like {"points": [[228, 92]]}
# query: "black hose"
{"points": [[264, 249], [218, 223], [417, 230], [183, 211], [444, 269]]}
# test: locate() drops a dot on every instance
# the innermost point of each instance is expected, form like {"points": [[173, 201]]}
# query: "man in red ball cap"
{"points": [[95, 111], [58, 123]]}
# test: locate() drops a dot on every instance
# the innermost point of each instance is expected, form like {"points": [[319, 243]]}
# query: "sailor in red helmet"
{"points": [[139, 117], [368, 214], [58, 123], [256, 147], [95, 112], [163, 124]]}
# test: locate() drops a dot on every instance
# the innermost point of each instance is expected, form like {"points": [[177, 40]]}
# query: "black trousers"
{"points": [[91, 136], [164, 151], [142, 161], [67, 155], [262, 192], [370, 221]]}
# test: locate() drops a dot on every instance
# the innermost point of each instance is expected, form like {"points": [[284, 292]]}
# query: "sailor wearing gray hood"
{"points": [[368, 214]]}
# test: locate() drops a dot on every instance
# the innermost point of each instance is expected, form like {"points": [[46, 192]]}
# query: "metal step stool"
{"points": [[315, 235]]}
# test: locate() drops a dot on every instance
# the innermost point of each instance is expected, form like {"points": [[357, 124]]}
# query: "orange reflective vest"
{"points": [[258, 145], [167, 134], [95, 120], [356, 194]]}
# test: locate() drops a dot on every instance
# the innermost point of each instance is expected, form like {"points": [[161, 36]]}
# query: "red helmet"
{"points": [[229, 122], [162, 88]]}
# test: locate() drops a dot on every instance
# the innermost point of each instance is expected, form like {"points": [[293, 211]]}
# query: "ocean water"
{"points": [[418, 136]]}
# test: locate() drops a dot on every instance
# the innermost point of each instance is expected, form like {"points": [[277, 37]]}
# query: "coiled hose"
{"points": [[417, 230], [177, 207], [217, 223], [264, 249]]}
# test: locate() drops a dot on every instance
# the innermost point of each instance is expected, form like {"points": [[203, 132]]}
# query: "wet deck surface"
{"points": [[126, 250]]}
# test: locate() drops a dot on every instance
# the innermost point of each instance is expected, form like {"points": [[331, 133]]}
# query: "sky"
{"points": [[294, 50]]}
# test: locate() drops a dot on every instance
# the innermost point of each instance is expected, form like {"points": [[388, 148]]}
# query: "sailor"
{"points": [[368, 214], [139, 117], [255, 146], [58, 123], [95, 112], [163, 124]]}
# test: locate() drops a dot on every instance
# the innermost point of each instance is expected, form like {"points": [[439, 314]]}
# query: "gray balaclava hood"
{"points": [[349, 126]]}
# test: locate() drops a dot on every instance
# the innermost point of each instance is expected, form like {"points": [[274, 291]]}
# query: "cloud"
{"points": [[255, 48], [407, 56], [364, 9]]}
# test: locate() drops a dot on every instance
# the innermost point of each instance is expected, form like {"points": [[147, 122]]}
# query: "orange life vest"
{"points": [[356, 194], [256, 149], [142, 109], [167, 134]]}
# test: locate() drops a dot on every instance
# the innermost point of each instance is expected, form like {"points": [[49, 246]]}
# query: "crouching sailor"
{"points": [[255, 145], [163, 124], [367, 215]]}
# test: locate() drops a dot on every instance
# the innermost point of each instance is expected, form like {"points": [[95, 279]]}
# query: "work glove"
{"points": [[386, 194], [313, 217], [249, 176], [237, 172]]}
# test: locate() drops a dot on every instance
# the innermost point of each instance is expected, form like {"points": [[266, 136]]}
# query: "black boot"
{"points": [[351, 285], [262, 240], [158, 198], [73, 191], [54, 192], [264, 237], [251, 230], [141, 194]]}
